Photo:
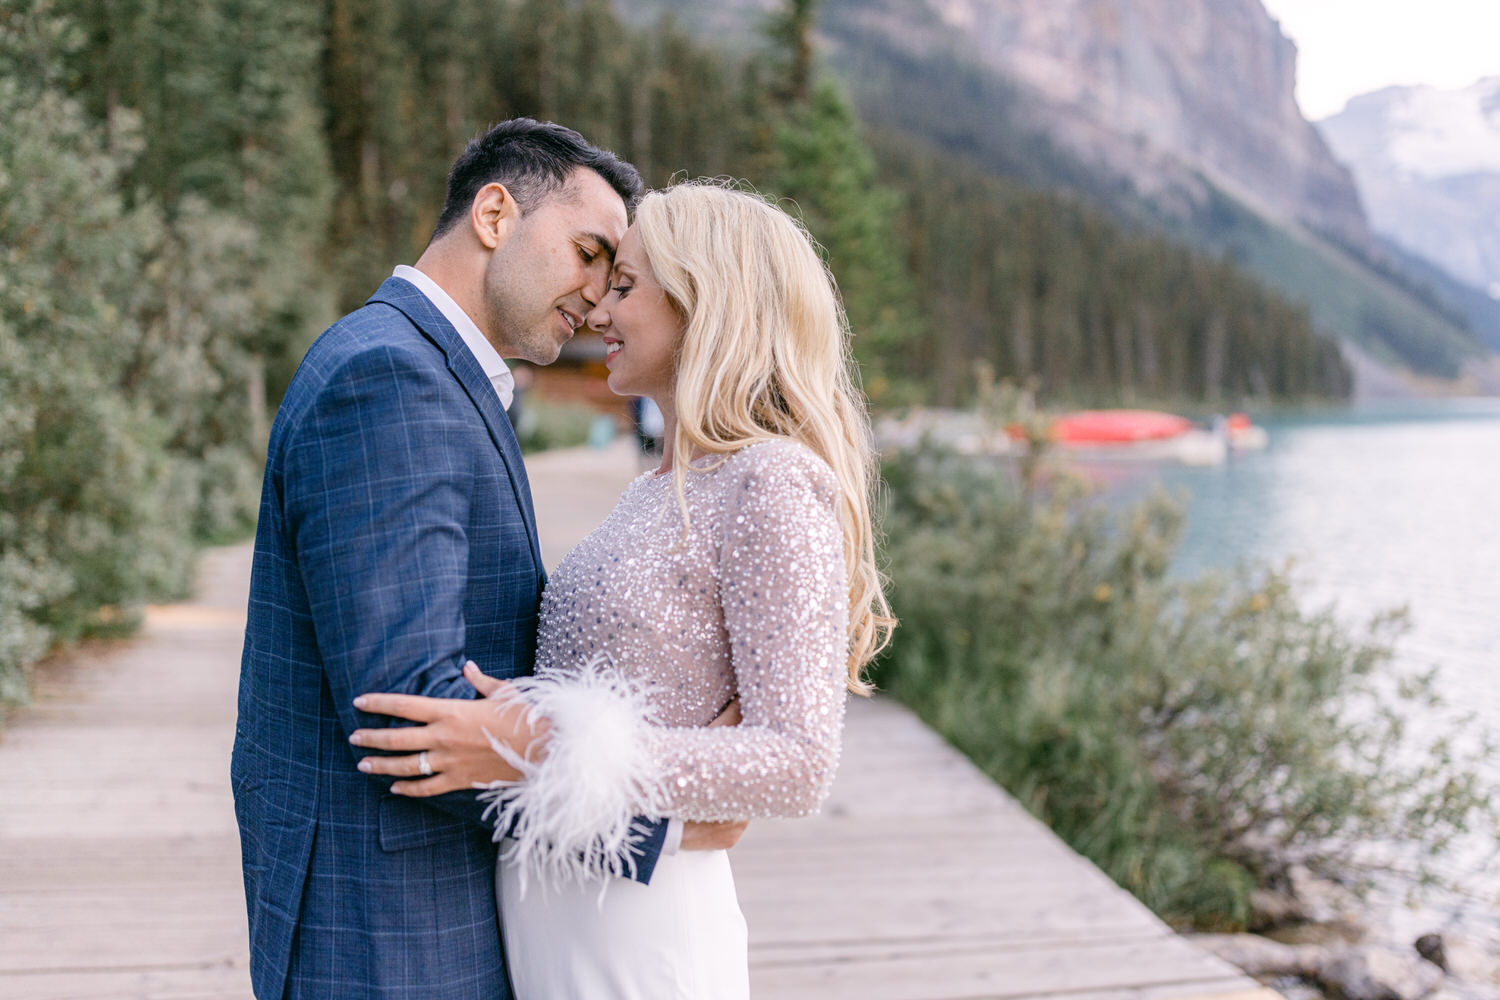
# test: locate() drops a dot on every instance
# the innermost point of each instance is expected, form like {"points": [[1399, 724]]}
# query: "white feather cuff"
{"points": [[570, 817]]}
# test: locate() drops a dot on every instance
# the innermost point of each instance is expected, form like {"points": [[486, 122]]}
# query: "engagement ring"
{"points": [[424, 765]]}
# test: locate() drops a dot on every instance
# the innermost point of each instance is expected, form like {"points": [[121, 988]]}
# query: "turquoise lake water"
{"points": [[1378, 507]]}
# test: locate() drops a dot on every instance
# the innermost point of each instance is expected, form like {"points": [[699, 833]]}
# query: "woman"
{"points": [[740, 573]]}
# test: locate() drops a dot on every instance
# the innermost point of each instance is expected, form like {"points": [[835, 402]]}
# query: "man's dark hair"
{"points": [[533, 160]]}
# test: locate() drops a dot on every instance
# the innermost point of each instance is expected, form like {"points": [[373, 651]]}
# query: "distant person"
{"points": [[738, 574], [649, 428], [396, 542]]}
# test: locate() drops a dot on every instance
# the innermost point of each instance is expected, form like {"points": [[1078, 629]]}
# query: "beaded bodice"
{"points": [[752, 602]]}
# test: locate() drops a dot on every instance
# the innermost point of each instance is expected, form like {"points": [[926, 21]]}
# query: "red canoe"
{"points": [[1104, 427]]}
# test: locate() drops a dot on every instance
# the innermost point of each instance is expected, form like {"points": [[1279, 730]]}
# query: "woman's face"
{"points": [[641, 328]]}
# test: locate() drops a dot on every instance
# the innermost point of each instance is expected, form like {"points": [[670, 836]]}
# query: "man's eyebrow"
{"points": [[604, 242]]}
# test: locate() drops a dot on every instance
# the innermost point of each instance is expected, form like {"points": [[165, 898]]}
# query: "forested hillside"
{"points": [[190, 191], [1189, 132], [1049, 290], [1350, 288]]}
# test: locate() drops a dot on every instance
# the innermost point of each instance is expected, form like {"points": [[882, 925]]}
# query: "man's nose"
{"points": [[595, 289]]}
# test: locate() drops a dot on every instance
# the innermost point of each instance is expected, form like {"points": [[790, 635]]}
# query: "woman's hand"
{"points": [[455, 740]]}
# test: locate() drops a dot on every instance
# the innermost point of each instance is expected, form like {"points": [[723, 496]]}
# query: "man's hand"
{"points": [[716, 836], [730, 716], [712, 836]]}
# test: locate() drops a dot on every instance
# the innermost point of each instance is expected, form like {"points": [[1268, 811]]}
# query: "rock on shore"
{"points": [[1368, 971]]}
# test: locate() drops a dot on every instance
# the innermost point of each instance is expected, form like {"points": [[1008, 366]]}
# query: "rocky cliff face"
{"points": [[1157, 91], [1428, 165], [1150, 87]]}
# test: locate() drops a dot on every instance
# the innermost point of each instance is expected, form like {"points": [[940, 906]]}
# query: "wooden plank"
{"points": [[1033, 970], [206, 981], [119, 856]]}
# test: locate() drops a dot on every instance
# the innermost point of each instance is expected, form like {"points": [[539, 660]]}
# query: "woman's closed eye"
{"points": [[621, 290]]}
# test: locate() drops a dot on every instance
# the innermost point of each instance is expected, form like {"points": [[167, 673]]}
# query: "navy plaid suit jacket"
{"points": [[396, 540]]}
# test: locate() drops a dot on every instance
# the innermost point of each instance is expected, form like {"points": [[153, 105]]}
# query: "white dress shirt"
{"points": [[494, 366]]}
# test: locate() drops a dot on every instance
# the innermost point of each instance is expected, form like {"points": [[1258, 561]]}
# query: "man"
{"points": [[396, 542]]}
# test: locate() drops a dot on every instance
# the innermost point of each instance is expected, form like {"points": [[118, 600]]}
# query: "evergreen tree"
{"points": [[231, 150], [821, 164], [790, 30], [89, 505]]}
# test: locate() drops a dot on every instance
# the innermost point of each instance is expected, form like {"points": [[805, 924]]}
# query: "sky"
{"points": [[1350, 47]]}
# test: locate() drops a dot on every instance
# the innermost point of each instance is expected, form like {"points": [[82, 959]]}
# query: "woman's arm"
{"points": [[784, 593], [459, 737]]}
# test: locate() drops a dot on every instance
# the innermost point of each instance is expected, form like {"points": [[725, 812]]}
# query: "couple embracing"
{"points": [[414, 688]]}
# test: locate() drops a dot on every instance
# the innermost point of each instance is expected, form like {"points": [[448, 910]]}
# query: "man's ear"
{"points": [[494, 215]]}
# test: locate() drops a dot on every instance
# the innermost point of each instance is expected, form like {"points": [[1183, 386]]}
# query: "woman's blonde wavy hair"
{"points": [[765, 355]]}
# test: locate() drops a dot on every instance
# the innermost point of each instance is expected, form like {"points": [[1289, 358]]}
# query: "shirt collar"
{"points": [[484, 352]]}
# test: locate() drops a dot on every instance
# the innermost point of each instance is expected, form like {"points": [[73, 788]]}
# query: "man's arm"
{"points": [[376, 496]]}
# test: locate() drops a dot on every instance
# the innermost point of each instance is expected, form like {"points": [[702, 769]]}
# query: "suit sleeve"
{"points": [[379, 479], [376, 497]]}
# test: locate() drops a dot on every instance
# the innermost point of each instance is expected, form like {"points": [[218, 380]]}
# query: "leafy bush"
{"points": [[1193, 739], [547, 425], [138, 320], [78, 482]]}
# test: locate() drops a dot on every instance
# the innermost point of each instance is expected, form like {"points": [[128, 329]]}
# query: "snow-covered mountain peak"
{"points": [[1427, 162], [1434, 133]]}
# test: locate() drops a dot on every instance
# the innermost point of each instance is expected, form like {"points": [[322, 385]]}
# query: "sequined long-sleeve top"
{"points": [[751, 604]]}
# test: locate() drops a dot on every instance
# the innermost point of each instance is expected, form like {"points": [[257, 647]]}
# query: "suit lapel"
{"points": [[406, 297]]}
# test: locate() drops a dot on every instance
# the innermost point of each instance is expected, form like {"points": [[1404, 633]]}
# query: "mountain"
{"points": [[1174, 116], [1480, 308], [1427, 162], [1161, 93], [1157, 90]]}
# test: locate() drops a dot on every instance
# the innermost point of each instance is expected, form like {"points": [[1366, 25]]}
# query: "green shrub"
{"points": [[547, 425], [1193, 739], [75, 475], [135, 333]]}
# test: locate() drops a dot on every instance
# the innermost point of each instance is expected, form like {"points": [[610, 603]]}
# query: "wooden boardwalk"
{"points": [[119, 860]]}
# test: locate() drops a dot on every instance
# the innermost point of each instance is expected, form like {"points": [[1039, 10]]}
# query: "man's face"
{"points": [[542, 281]]}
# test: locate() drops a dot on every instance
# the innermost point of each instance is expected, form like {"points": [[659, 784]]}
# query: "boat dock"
{"points": [[921, 880]]}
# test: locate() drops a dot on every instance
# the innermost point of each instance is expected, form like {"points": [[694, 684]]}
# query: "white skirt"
{"points": [[682, 936]]}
